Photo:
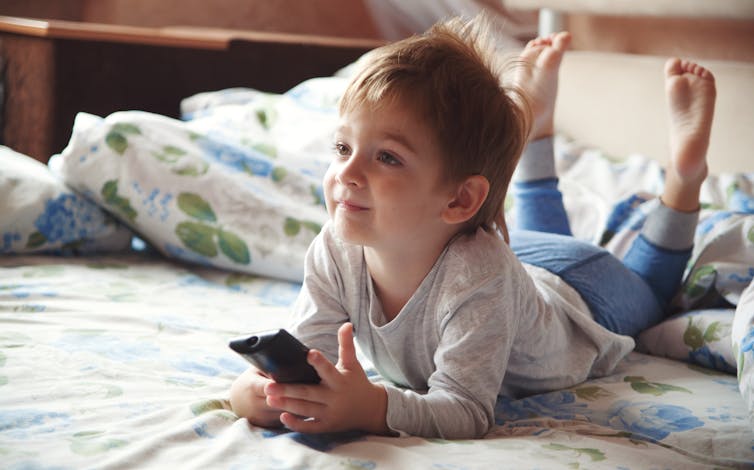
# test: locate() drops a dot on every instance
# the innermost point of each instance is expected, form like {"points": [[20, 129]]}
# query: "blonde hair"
{"points": [[451, 78]]}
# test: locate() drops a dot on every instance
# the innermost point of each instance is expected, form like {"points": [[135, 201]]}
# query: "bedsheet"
{"points": [[122, 362]]}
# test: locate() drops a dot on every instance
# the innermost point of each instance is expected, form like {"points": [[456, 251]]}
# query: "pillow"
{"points": [[722, 261], [701, 337], [39, 213], [223, 190], [742, 339]]}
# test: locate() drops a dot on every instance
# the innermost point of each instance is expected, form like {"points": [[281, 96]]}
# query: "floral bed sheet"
{"points": [[122, 362]]}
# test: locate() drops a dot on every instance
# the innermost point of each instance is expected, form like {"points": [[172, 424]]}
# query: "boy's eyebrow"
{"points": [[397, 136], [400, 138]]}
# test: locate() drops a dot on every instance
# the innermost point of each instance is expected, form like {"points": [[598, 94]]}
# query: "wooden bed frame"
{"points": [[53, 69]]}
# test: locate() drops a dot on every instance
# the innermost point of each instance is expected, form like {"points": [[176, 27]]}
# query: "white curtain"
{"points": [[397, 19]]}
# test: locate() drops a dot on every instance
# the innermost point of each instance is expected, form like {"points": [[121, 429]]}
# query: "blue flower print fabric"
{"points": [[39, 213]]}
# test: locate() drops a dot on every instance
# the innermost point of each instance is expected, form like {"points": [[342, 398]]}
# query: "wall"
{"points": [[686, 37], [345, 18]]}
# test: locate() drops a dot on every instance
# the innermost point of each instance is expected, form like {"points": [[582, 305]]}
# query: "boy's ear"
{"points": [[469, 197]]}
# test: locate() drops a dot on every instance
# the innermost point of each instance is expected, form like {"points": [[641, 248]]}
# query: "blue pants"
{"points": [[625, 296]]}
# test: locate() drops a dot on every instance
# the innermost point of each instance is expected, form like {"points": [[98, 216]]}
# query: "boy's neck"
{"points": [[397, 274]]}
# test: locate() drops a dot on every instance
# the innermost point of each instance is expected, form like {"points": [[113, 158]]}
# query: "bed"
{"points": [[132, 257]]}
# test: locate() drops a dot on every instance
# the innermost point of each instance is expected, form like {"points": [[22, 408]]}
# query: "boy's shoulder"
{"points": [[479, 269], [480, 255]]}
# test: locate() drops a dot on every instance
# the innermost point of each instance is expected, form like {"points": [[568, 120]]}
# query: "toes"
{"points": [[702, 72], [561, 40], [535, 46], [547, 51], [673, 67], [540, 41], [676, 66]]}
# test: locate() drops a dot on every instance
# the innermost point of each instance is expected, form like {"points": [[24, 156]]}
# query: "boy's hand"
{"points": [[248, 400], [344, 400]]}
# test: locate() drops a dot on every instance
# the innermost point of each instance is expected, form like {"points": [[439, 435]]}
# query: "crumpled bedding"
{"points": [[122, 362], [120, 359]]}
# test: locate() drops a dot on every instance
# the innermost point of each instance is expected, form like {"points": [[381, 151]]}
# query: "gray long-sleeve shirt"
{"points": [[480, 324]]}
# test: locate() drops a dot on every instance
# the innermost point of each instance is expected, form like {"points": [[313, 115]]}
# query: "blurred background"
{"points": [[60, 57], [641, 27]]}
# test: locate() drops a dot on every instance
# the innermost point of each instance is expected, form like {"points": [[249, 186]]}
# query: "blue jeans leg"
{"points": [[539, 207], [618, 298], [661, 268], [624, 296]]}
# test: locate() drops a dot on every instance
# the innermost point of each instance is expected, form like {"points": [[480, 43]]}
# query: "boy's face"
{"points": [[384, 187]]}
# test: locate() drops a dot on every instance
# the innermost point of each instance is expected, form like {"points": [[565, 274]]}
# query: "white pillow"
{"points": [[39, 213], [742, 339], [196, 193], [700, 337]]}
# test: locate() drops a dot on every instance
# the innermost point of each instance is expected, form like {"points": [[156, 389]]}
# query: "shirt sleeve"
{"points": [[318, 311], [471, 359]]}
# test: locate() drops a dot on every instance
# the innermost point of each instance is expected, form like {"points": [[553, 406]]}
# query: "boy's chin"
{"points": [[349, 234]]}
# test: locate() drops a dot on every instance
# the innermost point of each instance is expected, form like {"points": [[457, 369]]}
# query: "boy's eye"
{"points": [[388, 159], [341, 149]]}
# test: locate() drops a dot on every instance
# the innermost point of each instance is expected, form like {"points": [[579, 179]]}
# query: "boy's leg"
{"points": [[611, 291], [660, 253], [618, 298], [539, 203], [631, 296]]}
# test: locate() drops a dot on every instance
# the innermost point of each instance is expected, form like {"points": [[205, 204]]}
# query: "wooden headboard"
{"points": [[54, 69]]}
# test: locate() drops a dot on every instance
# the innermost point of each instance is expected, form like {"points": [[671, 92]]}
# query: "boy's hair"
{"points": [[450, 77]]}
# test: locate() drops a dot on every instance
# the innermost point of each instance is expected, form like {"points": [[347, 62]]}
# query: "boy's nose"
{"points": [[351, 172]]}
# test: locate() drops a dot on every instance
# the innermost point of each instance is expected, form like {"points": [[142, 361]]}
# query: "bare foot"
{"points": [[539, 79], [690, 92]]}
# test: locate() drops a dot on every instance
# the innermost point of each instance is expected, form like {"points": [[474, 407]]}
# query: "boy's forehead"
{"points": [[396, 116], [395, 122]]}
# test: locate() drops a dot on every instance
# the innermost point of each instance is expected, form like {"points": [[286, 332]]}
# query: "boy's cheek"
{"points": [[327, 187]]}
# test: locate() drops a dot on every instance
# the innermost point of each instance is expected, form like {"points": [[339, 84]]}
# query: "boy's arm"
{"points": [[322, 322], [319, 311], [471, 362], [317, 316]]}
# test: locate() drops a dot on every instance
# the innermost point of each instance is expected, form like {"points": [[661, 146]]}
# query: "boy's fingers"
{"points": [[294, 391], [257, 388], [300, 424], [294, 406], [346, 351], [307, 425], [326, 369], [258, 384]]}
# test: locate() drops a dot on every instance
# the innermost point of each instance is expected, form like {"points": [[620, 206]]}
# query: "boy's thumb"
{"points": [[346, 351]]}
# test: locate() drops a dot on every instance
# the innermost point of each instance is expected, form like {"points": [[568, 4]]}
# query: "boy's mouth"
{"points": [[350, 206]]}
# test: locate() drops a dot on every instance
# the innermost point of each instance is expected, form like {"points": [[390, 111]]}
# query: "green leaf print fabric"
{"points": [[122, 362], [236, 187], [39, 213]]}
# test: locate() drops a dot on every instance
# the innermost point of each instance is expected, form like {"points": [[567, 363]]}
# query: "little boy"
{"points": [[415, 266]]}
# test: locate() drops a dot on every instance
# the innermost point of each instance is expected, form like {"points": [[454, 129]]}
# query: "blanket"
{"points": [[176, 235]]}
